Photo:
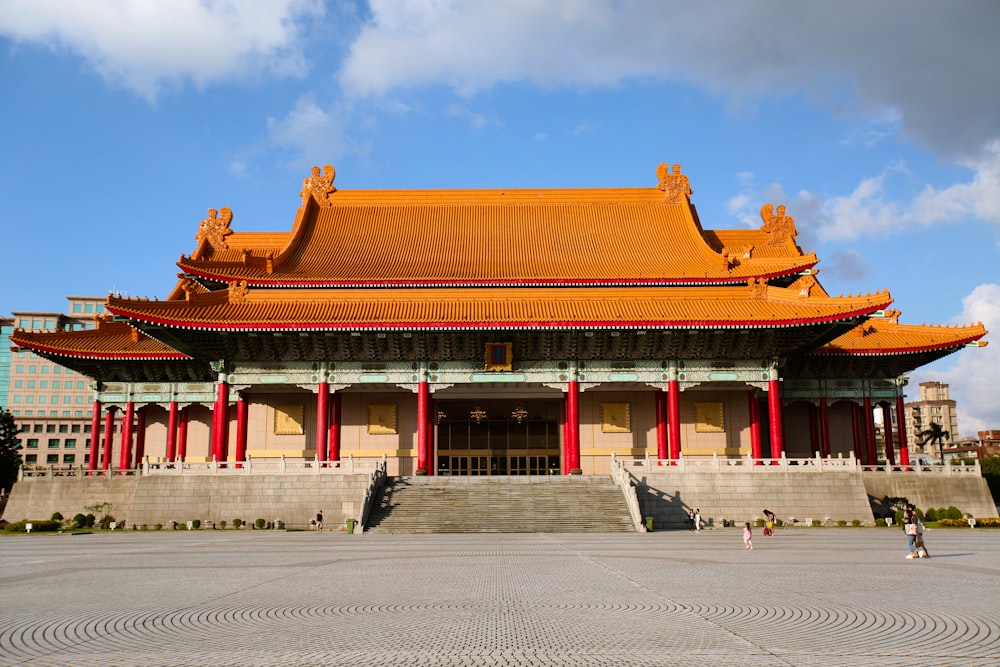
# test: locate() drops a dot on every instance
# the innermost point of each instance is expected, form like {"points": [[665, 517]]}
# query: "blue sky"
{"points": [[876, 124]]}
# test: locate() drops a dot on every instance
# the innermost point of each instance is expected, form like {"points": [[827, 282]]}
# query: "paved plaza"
{"points": [[807, 596]]}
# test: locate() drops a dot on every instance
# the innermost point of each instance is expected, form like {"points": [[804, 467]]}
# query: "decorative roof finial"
{"points": [[319, 186], [781, 227], [675, 184], [215, 228]]}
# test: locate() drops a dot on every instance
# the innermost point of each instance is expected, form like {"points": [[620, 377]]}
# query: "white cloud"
{"points": [[874, 60], [973, 373], [315, 135], [476, 119], [149, 46]]}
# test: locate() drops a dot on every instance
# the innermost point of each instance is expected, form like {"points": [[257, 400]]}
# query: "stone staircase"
{"points": [[514, 504]]}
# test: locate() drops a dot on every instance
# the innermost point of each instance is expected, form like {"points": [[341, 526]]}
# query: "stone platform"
{"points": [[808, 596]]}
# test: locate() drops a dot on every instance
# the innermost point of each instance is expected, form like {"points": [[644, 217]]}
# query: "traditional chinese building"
{"points": [[492, 332]]}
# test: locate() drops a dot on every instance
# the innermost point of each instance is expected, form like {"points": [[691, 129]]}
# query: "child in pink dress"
{"points": [[747, 535]]}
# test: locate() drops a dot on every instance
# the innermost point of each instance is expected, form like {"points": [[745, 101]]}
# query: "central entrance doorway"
{"points": [[498, 437]]}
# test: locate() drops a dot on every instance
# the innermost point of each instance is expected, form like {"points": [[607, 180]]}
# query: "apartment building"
{"points": [[934, 406], [52, 404]]}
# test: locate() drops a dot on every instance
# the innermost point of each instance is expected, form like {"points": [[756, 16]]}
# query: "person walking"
{"points": [[748, 536], [910, 529], [769, 522], [691, 520], [697, 519], [319, 521]]}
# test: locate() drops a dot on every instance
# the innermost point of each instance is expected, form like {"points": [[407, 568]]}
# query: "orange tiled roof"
{"points": [[491, 237], [446, 308], [111, 340], [885, 336]]}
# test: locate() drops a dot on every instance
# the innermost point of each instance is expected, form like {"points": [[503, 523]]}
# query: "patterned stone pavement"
{"points": [[805, 597]]}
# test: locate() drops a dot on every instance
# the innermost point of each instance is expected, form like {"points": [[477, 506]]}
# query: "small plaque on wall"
{"points": [[499, 357], [288, 419], [382, 419], [616, 418], [708, 418]]}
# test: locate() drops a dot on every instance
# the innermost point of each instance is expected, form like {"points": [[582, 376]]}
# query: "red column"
{"points": [[242, 410], [322, 426], [182, 433], [824, 427], [661, 425], [140, 435], [890, 453], [95, 436], [870, 431], [220, 419], [125, 455], [423, 396], [573, 428], [860, 450], [429, 429], [755, 442], [674, 418], [109, 434], [334, 439], [904, 449], [172, 432], [774, 419]]}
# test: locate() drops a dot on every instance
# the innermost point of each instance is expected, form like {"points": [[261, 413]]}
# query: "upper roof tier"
{"points": [[538, 237]]}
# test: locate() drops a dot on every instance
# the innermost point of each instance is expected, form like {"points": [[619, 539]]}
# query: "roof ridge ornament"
{"points": [[319, 186], [758, 288], [779, 226], [215, 228], [675, 184], [238, 291]]}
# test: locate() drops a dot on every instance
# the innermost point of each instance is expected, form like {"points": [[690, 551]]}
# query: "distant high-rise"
{"points": [[934, 406]]}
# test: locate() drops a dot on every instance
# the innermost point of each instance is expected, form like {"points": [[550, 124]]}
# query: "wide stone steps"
{"points": [[514, 504]]}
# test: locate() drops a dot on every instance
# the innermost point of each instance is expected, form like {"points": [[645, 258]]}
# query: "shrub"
{"points": [[78, 521], [90, 520], [759, 523], [841, 522], [158, 526], [931, 515], [37, 526], [105, 522], [56, 516], [952, 513], [144, 527], [816, 523], [779, 522], [259, 524], [880, 521], [222, 524], [855, 522], [237, 523], [196, 524]]}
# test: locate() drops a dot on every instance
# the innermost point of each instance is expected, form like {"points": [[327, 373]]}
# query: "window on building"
{"points": [[79, 385], [17, 398], [36, 324], [64, 428], [88, 308], [18, 384], [32, 369], [20, 368], [55, 384], [53, 413], [45, 369], [100, 307], [32, 443], [70, 443], [79, 400], [53, 443], [41, 399], [43, 384], [50, 428], [31, 458], [86, 428], [16, 413], [27, 413], [52, 458], [31, 384], [77, 307], [69, 458], [50, 324], [38, 428], [75, 428], [29, 399]]}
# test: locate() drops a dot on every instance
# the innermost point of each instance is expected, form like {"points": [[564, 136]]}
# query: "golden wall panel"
{"points": [[382, 419]]}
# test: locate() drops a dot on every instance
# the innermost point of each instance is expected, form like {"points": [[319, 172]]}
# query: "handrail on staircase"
{"points": [[626, 482], [375, 483]]}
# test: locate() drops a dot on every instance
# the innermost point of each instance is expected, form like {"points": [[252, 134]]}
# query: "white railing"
{"points": [[259, 466], [626, 482], [716, 463], [275, 466], [927, 469], [375, 482]]}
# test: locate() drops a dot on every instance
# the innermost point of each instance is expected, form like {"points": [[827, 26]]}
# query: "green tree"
{"points": [[990, 466], [934, 433], [10, 456]]}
